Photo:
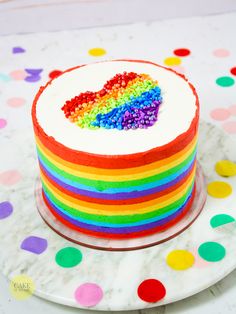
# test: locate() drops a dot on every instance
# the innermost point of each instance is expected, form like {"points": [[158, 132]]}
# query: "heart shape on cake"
{"points": [[127, 101]]}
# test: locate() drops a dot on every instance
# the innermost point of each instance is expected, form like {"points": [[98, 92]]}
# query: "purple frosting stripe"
{"points": [[117, 196], [120, 230]]}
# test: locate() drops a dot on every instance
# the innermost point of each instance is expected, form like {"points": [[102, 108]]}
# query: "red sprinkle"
{"points": [[84, 98]]}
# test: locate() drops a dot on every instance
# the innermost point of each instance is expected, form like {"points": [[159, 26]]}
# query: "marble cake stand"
{"points": [[117, 273]]}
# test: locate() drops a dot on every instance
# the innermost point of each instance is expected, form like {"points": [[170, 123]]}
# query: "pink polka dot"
{"points": [[230, 127], [10, 177], [16, 102], [88, 294], [232, 110], [3, 123], [179, 68], [18, 75], [220, 114], [221, 53]]}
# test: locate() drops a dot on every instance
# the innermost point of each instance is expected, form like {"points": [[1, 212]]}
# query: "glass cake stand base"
{"points": [[124, 244]]}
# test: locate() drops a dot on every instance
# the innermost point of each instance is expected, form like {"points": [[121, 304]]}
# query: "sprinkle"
{"points": [[127, 101]]}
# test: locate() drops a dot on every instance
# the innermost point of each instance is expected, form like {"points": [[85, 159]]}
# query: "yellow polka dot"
{"points": [[219, 189], [22, 287], [180, 259], [225, 168], [97, 52], [171, 61]]}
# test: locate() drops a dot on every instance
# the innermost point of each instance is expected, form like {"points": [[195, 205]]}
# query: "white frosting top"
{"points": [[175, 115]]}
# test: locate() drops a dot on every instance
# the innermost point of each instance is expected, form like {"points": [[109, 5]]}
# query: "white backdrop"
{"points": [[26, 16]]}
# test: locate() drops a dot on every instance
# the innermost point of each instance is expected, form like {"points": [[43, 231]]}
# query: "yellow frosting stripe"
{"points": [[102, 209], [120, 174]]}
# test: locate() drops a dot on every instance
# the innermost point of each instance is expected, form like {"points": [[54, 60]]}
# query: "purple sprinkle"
{"points": [[6, 209], [33, 71], [34, 245], [18, 50]]}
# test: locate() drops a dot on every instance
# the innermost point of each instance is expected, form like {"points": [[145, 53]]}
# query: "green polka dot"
{"points": [[211, 251], [68, 257], [225, 81], [222, 219]]}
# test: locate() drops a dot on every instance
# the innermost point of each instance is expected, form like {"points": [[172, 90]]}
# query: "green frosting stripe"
{"points": [[102, 185], [118, 218]]}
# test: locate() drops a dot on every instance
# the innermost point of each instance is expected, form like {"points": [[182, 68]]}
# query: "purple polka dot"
{"points": [[34, 75], [6, 209], [18, 50], [34, 245], [33, 71], [33, 78]]}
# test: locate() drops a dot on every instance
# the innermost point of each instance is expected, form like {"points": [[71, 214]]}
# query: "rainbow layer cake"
{"points": [[116, 144]]}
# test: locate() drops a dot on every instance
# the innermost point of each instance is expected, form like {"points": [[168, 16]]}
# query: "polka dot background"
{"points": [[97, 52], [3, 123], [68, 257], [10, 177], [19, 83], [16, 102], [88, 294], [180, 259], [221, 53]]}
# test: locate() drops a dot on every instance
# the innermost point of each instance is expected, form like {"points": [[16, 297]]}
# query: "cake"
{"points": [[116, 144]]}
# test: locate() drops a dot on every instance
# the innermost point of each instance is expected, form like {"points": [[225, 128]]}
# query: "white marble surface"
{"points": [[65, 49], [120, 287]]}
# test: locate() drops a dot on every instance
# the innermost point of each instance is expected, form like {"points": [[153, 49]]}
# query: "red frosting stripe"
{"points": [[116, 161]]}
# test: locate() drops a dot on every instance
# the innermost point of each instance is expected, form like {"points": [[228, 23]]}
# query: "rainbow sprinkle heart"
{"points": [[127, 101]]}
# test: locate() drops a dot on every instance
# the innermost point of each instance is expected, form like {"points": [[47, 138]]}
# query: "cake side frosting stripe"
{"points": [[101, 185], [123, 229], [138, 188], [144, 207], [110, 174], [118, 219], [117, 198], [116, 161], [124, 222], [78, 169], [124, 236]]}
